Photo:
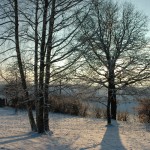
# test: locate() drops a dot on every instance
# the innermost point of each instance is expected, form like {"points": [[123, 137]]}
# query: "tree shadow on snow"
{"points": [[16, 138], [48, 142], [111, 139]]}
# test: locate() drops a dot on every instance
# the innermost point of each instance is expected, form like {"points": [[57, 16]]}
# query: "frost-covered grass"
{"points": [[71, 133]]}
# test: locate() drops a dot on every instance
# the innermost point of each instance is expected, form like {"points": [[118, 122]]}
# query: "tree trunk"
{"points": [[113, 104], [108, 112], [36, 60], [31, 118], [112, 94], [20, 65], [47, 75], [40, 120], [112, 99]]}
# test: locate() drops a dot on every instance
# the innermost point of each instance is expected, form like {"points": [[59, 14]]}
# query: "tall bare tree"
{"points": [[48, 63], [36, 55], [20, 65], [113, 44]]}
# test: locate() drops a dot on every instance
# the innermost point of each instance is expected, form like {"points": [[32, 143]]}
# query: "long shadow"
{"points": [[111, 139], [13, 136], [11, 139], [51, 142]]}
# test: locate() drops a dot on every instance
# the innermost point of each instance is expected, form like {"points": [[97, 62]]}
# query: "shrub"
{"points": [[67, 105], [19, 103], [100, 113], [122, 116], [144, 110]]}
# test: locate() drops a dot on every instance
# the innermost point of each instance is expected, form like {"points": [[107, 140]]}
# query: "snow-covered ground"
{"points": [[71, 133]]}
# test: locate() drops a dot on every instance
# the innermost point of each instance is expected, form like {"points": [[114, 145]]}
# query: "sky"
{"points": [[141, 5]]}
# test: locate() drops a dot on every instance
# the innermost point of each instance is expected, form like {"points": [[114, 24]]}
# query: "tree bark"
{"points": [[36, 60], [112, 93], [40, 120], [108, 111], [113, 104], [20, 65], [48, 59]]}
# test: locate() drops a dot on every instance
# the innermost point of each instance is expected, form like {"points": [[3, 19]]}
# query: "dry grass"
{"points": [[71, 105], [68, 105], [100, 113], [75, 106], [144, 110], [122, 116]]}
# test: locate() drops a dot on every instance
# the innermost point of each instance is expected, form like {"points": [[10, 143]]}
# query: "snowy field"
{"points": [[71, 133]]}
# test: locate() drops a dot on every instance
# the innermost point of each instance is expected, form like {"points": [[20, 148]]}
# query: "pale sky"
{"points": [[141, 5]]}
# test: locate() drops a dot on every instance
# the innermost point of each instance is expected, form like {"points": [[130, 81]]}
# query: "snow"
{"points": [[71, 133]]}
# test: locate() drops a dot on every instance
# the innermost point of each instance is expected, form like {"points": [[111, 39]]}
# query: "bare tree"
{"points": [[53, 44], [36, 55], [48, 63], [47, 35], [113, 44], [20, 65], [60, 18]]}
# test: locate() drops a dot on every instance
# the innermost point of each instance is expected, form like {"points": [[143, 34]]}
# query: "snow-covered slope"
{"points": [[71, 133]]}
